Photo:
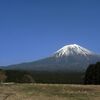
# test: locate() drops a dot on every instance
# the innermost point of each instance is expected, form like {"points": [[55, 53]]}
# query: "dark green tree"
{"points": [[19, 76], [92, 75], [27, 79]]}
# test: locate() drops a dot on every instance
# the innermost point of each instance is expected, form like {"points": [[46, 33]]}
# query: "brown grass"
{"points": [[49, 92]]}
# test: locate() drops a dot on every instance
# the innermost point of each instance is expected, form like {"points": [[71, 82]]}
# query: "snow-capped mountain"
{"points": [[69, 58], [74, 50]]}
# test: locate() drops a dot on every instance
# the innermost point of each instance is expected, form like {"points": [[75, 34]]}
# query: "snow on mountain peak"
{"points": [[72, 49]]}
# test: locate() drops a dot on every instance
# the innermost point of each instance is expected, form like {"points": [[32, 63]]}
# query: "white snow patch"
{"points": [[72, 49]]}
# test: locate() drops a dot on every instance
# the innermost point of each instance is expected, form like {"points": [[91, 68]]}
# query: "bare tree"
{"points": [[2, 76]]}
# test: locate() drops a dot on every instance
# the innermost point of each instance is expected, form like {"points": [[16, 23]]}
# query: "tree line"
{"points": [[15, 76], [91, 76], [19, 76]]}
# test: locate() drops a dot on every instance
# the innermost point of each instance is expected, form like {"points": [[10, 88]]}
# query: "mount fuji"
{"points": [[72, 58]]}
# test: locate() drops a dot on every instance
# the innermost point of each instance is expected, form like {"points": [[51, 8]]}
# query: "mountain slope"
{"points": [[69, 58]]}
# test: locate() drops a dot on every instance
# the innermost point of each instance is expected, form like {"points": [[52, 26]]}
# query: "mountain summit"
{"points": [[69, 58], [73, 49]]}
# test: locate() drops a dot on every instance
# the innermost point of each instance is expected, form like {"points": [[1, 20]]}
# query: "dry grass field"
{"points": [[49, 92]]}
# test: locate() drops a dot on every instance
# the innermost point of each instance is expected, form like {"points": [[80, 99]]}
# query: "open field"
{"points": [[49, 92]]}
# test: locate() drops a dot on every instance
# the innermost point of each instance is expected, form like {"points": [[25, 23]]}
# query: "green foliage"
{"points": [[61, 77], [19, 76], [92, 75]]}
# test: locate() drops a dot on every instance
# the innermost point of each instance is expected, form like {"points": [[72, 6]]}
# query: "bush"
{"points": [[92, 75], [19, 76], [2, 76]]}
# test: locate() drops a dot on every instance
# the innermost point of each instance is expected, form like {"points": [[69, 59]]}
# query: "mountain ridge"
{"points": [[70, 58]]}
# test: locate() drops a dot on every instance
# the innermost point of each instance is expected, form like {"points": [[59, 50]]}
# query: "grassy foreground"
{"points": [[49, 92]]}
